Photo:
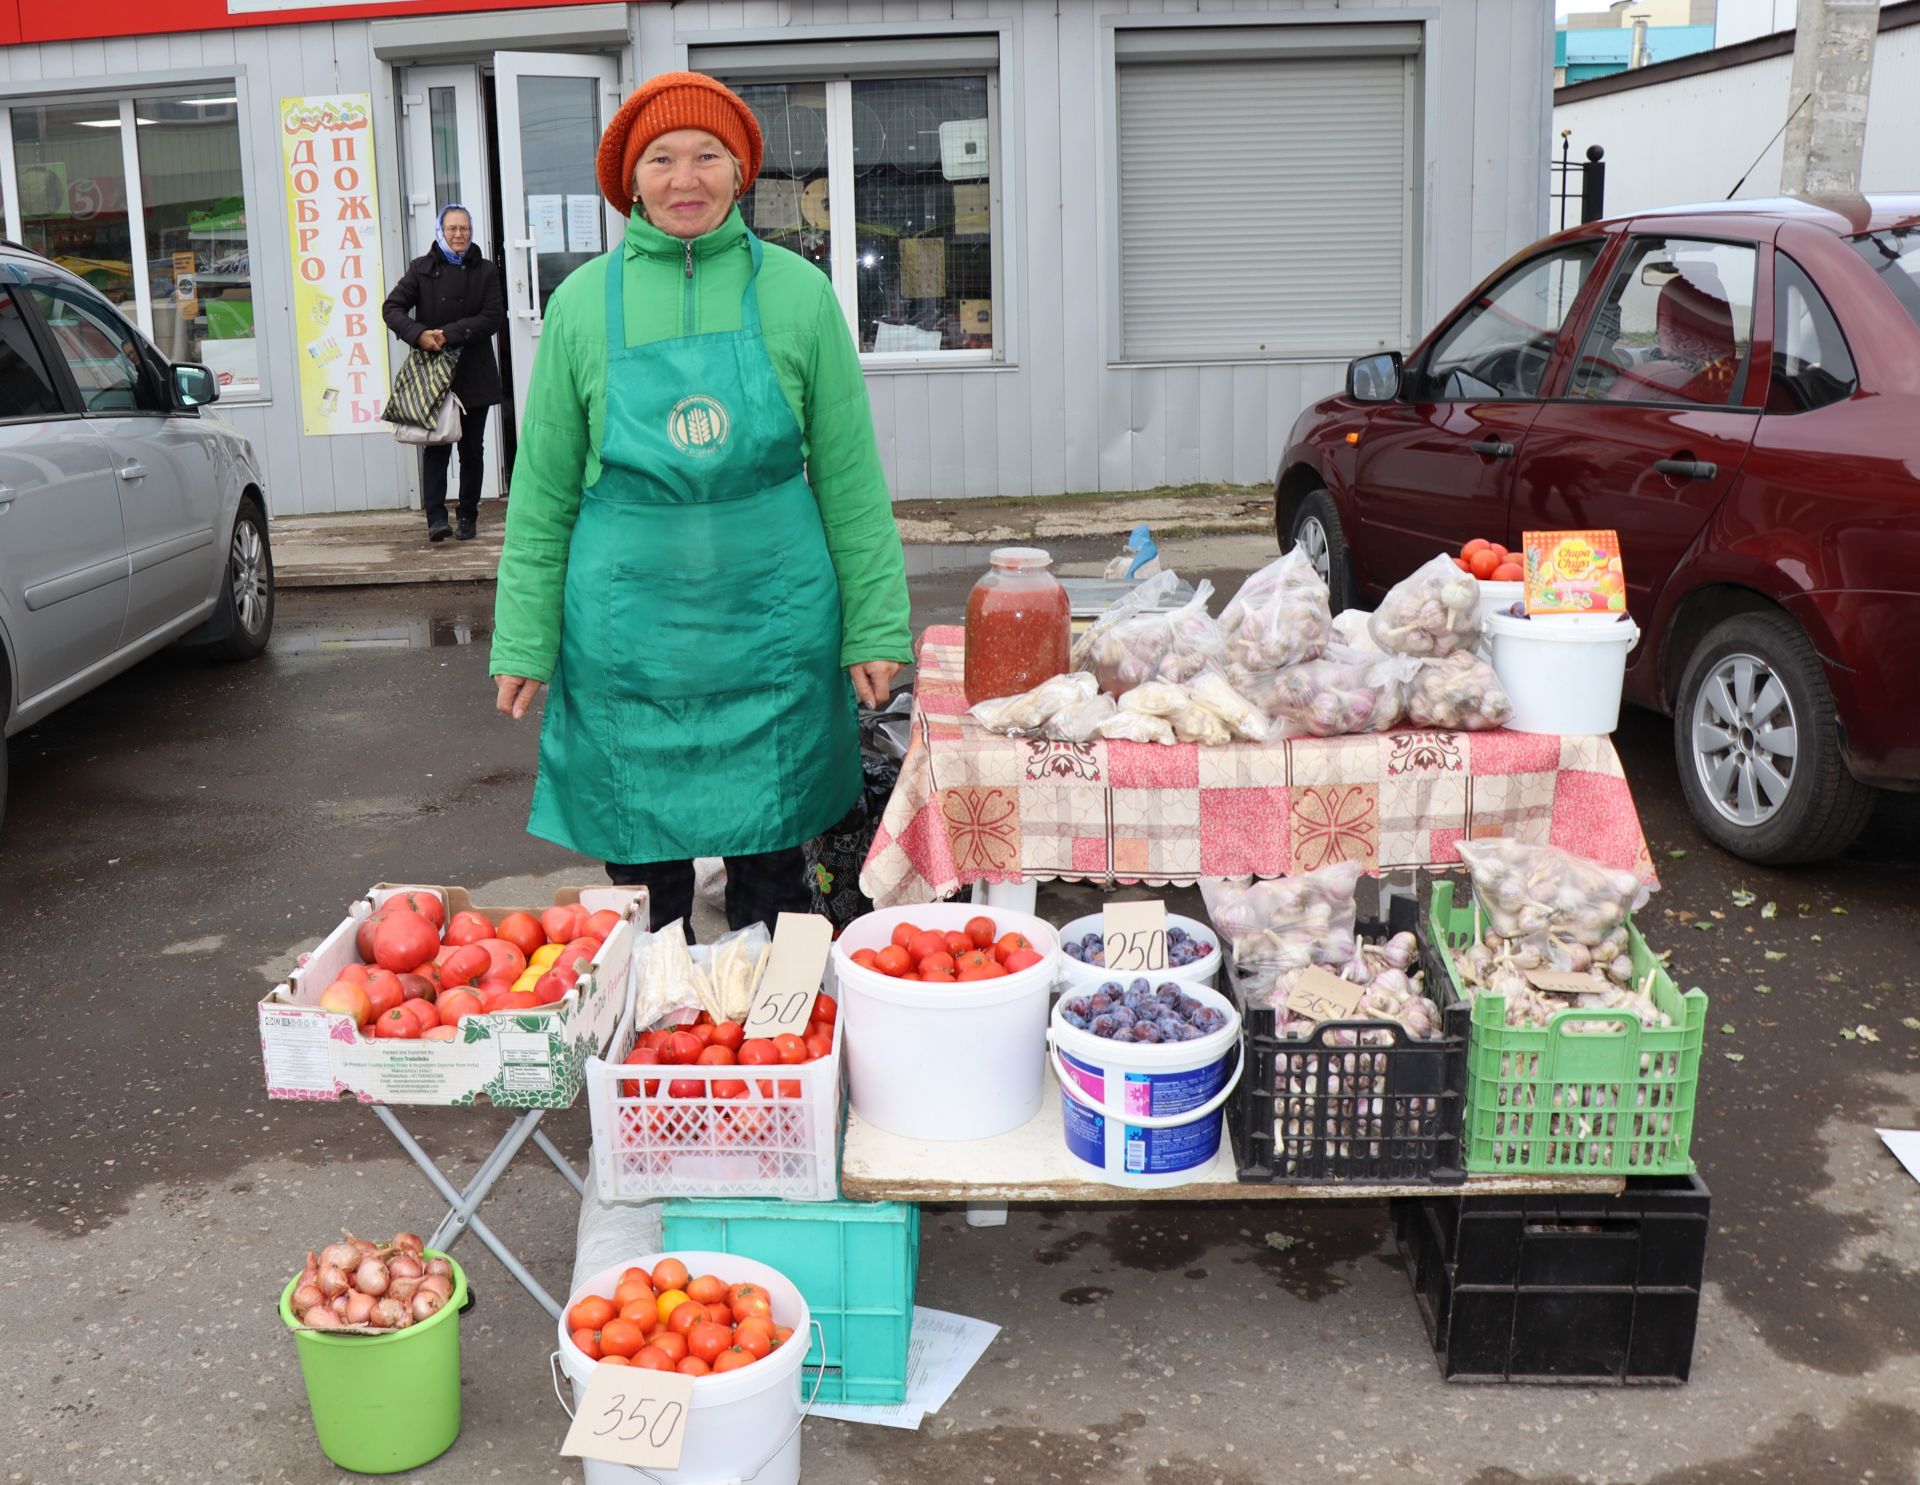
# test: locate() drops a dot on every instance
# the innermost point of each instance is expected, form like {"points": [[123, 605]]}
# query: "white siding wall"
{"points": [[1059, 416], [1690, 139], [304, 475]]}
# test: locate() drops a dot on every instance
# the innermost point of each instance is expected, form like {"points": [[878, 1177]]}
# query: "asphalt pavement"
{"points": [[174, 839]]}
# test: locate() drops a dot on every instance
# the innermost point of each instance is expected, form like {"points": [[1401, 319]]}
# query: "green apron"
{"points": [[698, 707]]}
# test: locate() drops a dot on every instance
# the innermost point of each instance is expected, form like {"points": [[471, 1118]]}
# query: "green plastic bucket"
{"points": [[384, 1403]]}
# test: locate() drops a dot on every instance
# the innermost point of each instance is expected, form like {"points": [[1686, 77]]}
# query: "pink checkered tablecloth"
{"points": [[973, 806]]}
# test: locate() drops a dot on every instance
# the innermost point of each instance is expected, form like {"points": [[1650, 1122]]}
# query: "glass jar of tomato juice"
{"points": [[1018, 630]]}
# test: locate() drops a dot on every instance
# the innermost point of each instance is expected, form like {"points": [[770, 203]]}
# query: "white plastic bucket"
{"points": [[1078, 978], [1146, 1114], [944, 1062], [1496, 598], [744, 1425], [1563, 672]]}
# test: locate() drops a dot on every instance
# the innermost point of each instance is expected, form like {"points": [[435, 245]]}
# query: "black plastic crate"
{"points": [[1579, 1289], [1309, 1113]]}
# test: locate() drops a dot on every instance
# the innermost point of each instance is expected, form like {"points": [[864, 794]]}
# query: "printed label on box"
{"points": [[296, 1051], [526, 1079], [520, 1047]]}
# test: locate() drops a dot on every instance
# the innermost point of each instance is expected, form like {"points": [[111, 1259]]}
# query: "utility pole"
{"points": [[1832, 71]]}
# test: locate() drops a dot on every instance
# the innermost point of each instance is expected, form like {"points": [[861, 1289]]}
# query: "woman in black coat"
{"points": [[450, 297]]}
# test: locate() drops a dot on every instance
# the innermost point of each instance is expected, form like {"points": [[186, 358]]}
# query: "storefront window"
{"points": [[922, 274], [443, 122], [196, 235], [73, 193]]}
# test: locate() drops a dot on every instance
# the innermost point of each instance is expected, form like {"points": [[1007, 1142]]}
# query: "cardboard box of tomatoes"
{"points": [[516, 1032]]}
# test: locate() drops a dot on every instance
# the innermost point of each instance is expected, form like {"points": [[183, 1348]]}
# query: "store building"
{"points": [[1093, 247]]}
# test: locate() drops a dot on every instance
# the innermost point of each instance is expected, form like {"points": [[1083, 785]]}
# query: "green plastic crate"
{"points": [[1580, 1103], [855, 1264]]}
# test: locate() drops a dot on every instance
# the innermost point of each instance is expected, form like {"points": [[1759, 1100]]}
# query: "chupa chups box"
{"points": [[530, 1060]]}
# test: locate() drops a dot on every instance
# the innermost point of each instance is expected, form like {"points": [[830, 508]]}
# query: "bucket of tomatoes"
{"points": [[945, 1008]]}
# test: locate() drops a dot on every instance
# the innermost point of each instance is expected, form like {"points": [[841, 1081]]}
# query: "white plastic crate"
{"points": [[762, 1145]]}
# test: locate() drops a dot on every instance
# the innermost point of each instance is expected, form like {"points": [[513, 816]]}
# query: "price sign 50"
{"points": [[1135, 936]]}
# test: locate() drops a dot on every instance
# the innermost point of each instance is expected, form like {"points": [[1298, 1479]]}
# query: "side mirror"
{"points": [[1374, 378], [194, 386]]}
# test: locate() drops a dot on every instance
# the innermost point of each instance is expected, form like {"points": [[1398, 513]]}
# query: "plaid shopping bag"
{"points": [[421, 386]]}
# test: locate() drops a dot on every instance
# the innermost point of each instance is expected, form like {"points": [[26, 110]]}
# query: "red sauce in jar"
{"points": [[1019, 632]]}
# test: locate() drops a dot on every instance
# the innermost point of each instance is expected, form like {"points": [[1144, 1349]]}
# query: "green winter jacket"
{"points": [[562, 424]]}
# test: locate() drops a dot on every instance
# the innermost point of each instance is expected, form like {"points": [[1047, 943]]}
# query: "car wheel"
{"points": [[1758, 745], [1315, 530], [247, 599]]}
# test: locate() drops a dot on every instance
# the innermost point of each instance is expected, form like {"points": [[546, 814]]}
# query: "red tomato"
{"points": [[1021, 959], [507, 959], [403, 940], [729, 1088], [686, 1088], [591, 1313], [439, 1034], [728, 1034], [602, 923], [1509, 572], [715, 1057], [397, 1024], [641, 1057], [748, 1300], [980, 931], [703, 1034], [825, 1008], [621, 1338], [865, 958], [356, 972], [758, 1052], [658, 1039], [682, 1048], [579, 953], [924, 945], [430, 972], [1010, 943], [958, 943], [384, 991], [973, 959], [987, 971], [791, 1048], [344, 998], [416, 987], [789, 1088], [653, 1359], [465, 965], [674, 1345], [937, 976], [469, 927], [425, 1013], [1478, 544], [893, 960], [707, 1289], [454, 1006], [754, 1334], [941, 961], [707, 1340], [904, 935], [427, 904], [819, 1046], [1483, 563], [687, 1314], [1500, 553], [587, 1343], [693, 1366], [1463, 564], [551, 989], [562, 923], [615, 1361], [523, 931], [363, 936], [732, 1359]]}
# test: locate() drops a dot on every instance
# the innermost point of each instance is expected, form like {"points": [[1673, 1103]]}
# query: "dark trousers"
{"points": [[435, 458], [759, 888]]}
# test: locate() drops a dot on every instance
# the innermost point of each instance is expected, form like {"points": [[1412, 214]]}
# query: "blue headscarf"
{"points": [[440, 233]]}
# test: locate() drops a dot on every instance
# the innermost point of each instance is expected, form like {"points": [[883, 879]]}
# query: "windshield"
{"points": [[1895, 256]]}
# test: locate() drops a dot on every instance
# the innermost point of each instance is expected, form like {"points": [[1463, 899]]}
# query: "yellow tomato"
{"points": [[671, 1301], [528, 979], [545, 955]]}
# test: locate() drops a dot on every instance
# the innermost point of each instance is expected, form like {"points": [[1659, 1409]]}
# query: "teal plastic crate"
{"points": [[856, 1265]]}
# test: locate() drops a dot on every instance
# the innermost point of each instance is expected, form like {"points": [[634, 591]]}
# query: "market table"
{"points": [[973, 807], [1032, 1163]]}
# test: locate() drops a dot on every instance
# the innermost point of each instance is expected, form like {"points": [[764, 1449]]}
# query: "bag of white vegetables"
{"points": [[1279, 617], [1153, 593], [1526, 889], [1126, 726], [1288, 922], [1350, 629], [1127, 649], [1460, 693], [1028, 714], [1080, 723], [1431, 614], [1342, 693]]}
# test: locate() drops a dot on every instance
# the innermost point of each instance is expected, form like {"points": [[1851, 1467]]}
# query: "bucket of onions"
{"points": [[375, 1322]]}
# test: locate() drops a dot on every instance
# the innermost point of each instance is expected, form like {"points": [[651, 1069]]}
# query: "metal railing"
{"points": [[1581, 181]]}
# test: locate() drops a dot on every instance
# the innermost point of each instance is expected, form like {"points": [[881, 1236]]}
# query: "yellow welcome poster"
{"points": [[333, 225]]}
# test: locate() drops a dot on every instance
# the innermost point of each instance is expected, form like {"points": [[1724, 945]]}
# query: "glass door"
{"points": [[443, 119], [552, 108]]}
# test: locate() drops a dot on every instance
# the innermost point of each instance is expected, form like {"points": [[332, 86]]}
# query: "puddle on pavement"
{"points": [[335, 636]]}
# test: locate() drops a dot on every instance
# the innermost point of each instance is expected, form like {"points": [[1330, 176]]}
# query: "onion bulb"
{"points": [[333, 1280], [359, 1307], [390, 1314], [338, 1304], [440, 1268], [319, 1317], [426, 1304], [339, 1255], [406, 1242], [371, 1277], [403, 1289], [404, 1265], [306, 1297], [438, 1284]]}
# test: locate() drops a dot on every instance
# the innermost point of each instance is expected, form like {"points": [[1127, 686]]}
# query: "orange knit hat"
{"points": [[675, 100]]}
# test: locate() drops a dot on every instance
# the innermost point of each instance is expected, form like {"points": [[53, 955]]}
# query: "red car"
{"points": [[1735, 389]]}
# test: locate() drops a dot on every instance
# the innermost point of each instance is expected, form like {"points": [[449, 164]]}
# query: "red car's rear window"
{"points": [[1895, 256]]}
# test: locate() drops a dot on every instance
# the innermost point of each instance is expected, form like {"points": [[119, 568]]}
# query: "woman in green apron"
{"points": [[700, 550]]}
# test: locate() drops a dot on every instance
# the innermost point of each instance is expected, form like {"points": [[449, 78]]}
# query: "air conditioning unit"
{"points": [[963, 149]]}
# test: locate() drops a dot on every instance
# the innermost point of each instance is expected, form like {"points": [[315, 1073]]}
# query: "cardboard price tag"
{"points": [[784, 1002], [1321, 995], [632, 1416], [1555, 982], [1135, 935]]}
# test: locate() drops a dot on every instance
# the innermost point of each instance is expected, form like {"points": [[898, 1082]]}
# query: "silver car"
{"points": [[129, 519]]}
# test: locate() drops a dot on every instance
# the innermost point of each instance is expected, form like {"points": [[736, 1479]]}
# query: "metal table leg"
{"points": [[560, 1162], [464, 1204]]}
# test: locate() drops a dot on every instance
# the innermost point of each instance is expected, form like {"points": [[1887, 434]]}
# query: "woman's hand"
{"points": [[433, 340], [515, 695], [873, 679]]}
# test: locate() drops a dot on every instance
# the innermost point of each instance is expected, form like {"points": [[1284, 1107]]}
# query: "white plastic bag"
{"points": [[1126, 726], [1080, 723], [1214, 691], [1028, 714], [1350, 629], [1526, 889], [1460, 693], [1432, 613], [1288, 922], [1156, 699], [1342, 693], [1145, 644], [1279, 617]]}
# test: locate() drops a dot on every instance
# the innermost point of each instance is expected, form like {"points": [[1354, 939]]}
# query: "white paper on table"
{"points": [[545, 224], [583, 224], [1905, 1144], [941, 1349]]}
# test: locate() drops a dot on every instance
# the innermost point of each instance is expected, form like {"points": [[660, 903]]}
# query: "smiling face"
{"points": [[457, 228], [686, 182]]}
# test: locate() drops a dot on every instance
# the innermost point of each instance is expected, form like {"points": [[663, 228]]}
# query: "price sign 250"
{"points": [[1141, 951]]}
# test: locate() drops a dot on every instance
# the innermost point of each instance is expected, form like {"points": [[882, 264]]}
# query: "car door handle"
{"points": [[1493, 449], [1686, 469], [134, 471], [6, 497]]}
